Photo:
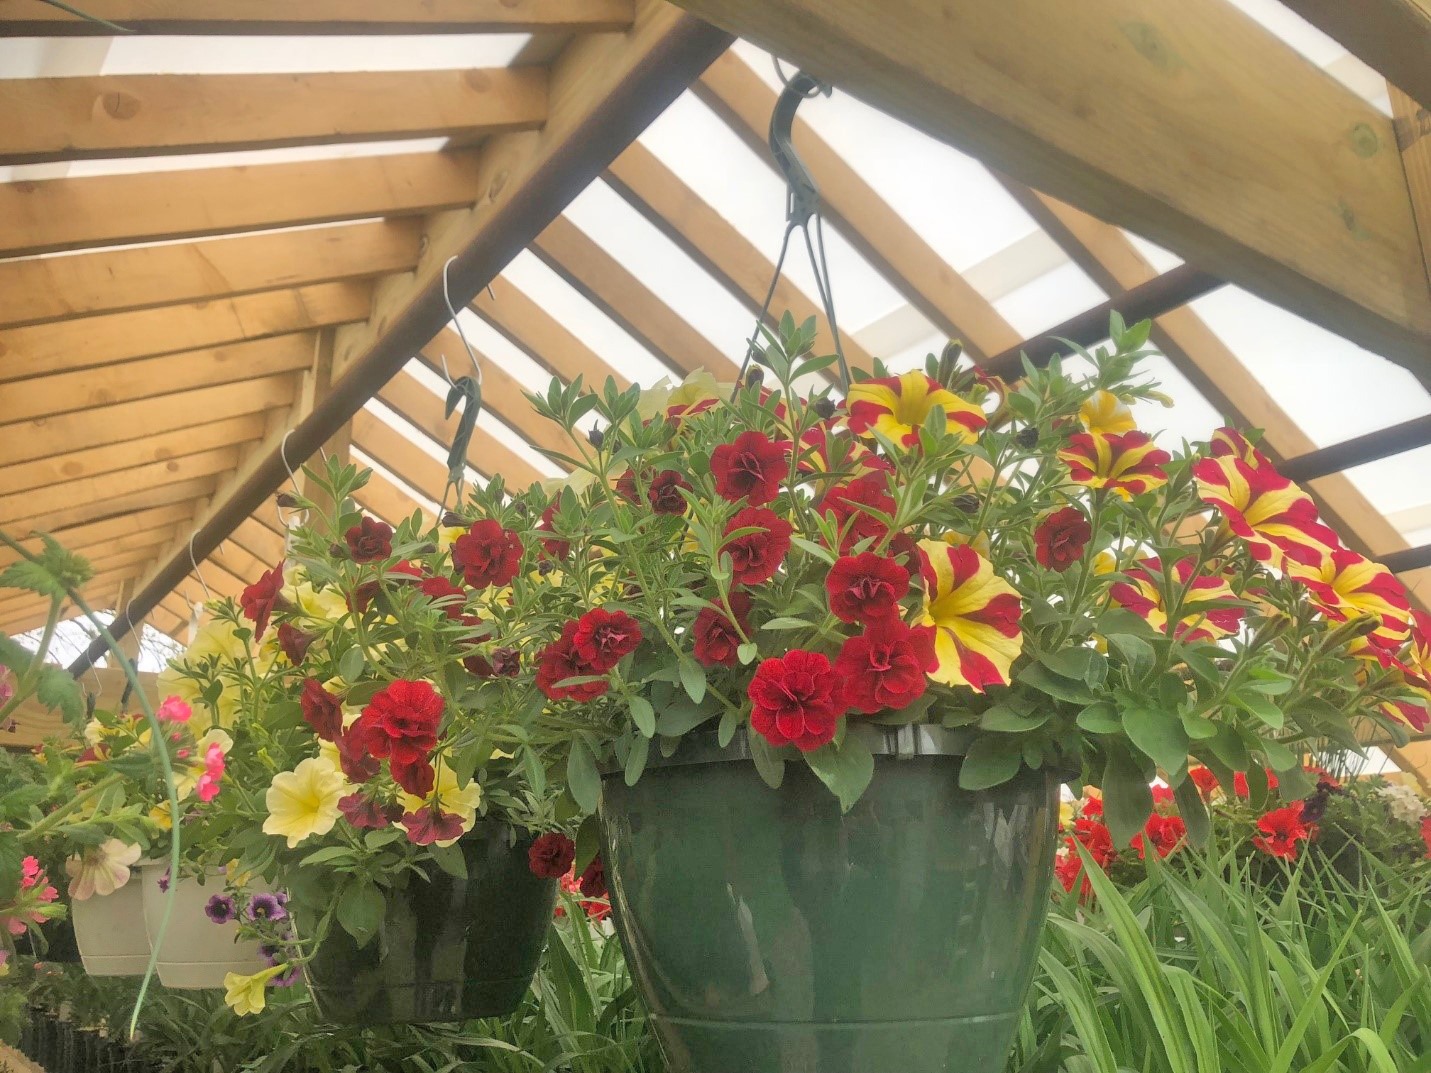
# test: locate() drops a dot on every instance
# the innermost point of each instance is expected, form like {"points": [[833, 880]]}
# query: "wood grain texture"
{"points": [[1391, 36], [542, 337], [1185, 122], [118, 530], [1413, 137]]}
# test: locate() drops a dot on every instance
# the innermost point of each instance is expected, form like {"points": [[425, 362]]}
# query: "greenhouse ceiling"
{"points": [[223, 241]]}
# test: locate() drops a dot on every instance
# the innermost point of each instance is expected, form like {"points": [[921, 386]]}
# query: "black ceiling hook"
{"points": [[803, 199]]}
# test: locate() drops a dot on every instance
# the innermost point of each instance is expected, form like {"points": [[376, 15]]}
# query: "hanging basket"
{"points": [[109, 931], [451, 949], [769, 933], [196, 953]]}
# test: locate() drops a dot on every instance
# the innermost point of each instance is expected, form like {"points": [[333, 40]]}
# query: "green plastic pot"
{"points": [[768, 933], [451, 949]]}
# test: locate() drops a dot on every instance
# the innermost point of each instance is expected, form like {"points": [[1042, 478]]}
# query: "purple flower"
{"points": [[221, 909], [287, 978], [268, 907], [164, 881]]}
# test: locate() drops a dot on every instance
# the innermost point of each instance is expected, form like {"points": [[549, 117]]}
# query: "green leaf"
{"points": [[581, 775], [360, 911], [693, 679], [1193, 810], [787, 622], [1261, 707], [1135, 650], [1039, 677], [636, 760], [1100, 717], [350, 666], [729, 723], [1159, 734], [643, 715], [1127, 798], [747, 653], [327, 855], [992, 759], [57, 690], [768, 762], [680, 716], [588, 843], [450, 859], [1085, 665], [1011, 718], [846, 769], [53, 572]]}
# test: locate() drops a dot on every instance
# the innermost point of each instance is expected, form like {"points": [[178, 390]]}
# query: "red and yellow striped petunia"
{"points": [[897, 406], [1143, 594], [1105, 412], [975, 615], [1275, 517], [1127, 463], [1347, 585]]}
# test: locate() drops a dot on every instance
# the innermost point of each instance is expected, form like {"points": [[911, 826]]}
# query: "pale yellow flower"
{"points": [[325, 605], [1105, 412], [100, 870], [248, 994], [1105, 562], [304, 802], [447, 535], [449, 796]]}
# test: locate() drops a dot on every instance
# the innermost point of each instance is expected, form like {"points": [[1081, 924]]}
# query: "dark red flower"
{"points": [[717, 641], [593, 880], [369, 540], [362, 596], [849, 504], [260, 598], [1167, 833], [550, 856], [401, 722], [438, 588], [353, 757], [1060, 538], [866, 587], [626, 486], [321, 710], [415, 774], [797, 698], [506, 662], [887, 666], [554, 547], [405, 570], [429, 825], [751, 468], [1068, 868], [602, 637], [294, 642], [664, 495], [363, 811], [1205, 781], [1282, 829], [559, 661], [756, 556], [487, 554]]}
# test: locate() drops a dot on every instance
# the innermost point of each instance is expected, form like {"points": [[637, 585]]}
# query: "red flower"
{"points": [[1166, 833], [602, 637], [1239, 783], [1090, 806], [626, 485], [369, 540], [797, 700], [717, 640], [487, 554], [401, 722], [554, 547], [887, 666], [850, 505], [550, 856], [362, 596], [405, 570], [1096, 839], [559, 661], [353, 757], [321, 710], [756, 556], [363, 811], [1205, 781], [593, 880], [1060, 539], [260, 598], [1426, 834], [429, 825], [1069, 868], [866, 587], [751, 468], [1283, 829], [664, 495], [438, 588], [294, 642]]}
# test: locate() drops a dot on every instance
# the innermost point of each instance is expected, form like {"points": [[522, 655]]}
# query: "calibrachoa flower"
{"points": [[554, 547], [975, 614], [887, 666], [258, 599], [664, 494], [248, 994], [897, 407], [303, 802], [173, 710], [400, 723], [487, 554], [369, 541], [1205, 781], [221, 909], [1143, 594], [603, 637], [444, 815], [206, 786], [797, 700], [1105, 412], [716, 637], [1275, 517], [852, 505], [1345, 585], [1060, 538], [1281, 830], [444, 594], [756, 554], [560, 661], [322, 711], [266, 906], [100, 870], [1126, 464], [294, 643], [752, 468], [550, 855], [866, 588], [1166, 833]]}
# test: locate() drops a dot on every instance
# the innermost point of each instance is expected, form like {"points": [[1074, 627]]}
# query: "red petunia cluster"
{"points": [[487, 554], [1282, 829], [400, 725], [369, 541], [717, 636], [589, 647], [751, 469]]}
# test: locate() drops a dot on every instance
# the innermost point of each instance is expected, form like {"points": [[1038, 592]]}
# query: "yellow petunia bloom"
{"points": [[898, 406], [248, 994], [1105, 412], [304, 801], [325, 605], [975, 615], [447, 535], [449, 797]]}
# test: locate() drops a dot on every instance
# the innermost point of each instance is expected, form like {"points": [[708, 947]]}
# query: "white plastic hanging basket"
{"points": [[110, 931], [196, 953]]}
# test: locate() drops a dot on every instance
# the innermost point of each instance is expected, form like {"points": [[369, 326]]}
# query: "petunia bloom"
{"points": [[852, 506], [173, 710], [866, 587], [757, 554], [550, 855], [444, 814], [248, 994], [975, 614], [1143, 594], [206, 786], [260, 598], [100, 870], [369, 541], [887, 666], [221, 909], [1105, 412], [401, 723], [304, 802], [1060, 538], [1346, 585], [487, 554], [559, 662], [716, 637], [1126, 464], [1281, 830], [602, 638], [268, 906], [797, 699], [752, 468], [1272, 515], [897, 407]]}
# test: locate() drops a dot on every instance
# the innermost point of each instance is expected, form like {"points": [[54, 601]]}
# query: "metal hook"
{"points": [[452, 313], [192, 562]]}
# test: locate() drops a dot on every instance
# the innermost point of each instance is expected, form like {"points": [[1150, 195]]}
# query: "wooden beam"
{"points": [[1413, 137], [398, 455], [119, 337], [1188, 123], [117, 530], [159, 495], [883, 237], [38, 289], [383, 499], [33, 18], [142, 450], [608, 285], [715, 244], [541, 336], [1391, 36], [83, 117], [603, 90], [26, 440], [109, 210], [258, 540]]}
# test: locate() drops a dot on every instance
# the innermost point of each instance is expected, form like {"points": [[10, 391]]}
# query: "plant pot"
{"points": [[110, 931], [451, 949], [196, 953], [768, 932]]}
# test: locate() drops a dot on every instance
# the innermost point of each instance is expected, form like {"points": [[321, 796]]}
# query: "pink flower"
{"points": [[173, 710], [207, 786]]}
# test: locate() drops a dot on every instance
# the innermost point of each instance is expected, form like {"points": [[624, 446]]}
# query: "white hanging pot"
{"points": [[196, 952], [110, 933]]}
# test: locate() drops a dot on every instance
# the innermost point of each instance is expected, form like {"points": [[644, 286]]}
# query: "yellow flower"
{"points": [[304, 801], [898, 406], [247, 994], [447, 535], [449, 797], [159, 816], [975, 615], [1105, 562], [325, 605], [1105, 412]]}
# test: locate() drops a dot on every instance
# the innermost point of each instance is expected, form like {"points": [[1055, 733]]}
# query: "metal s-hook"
{"points": [[208, 596]]}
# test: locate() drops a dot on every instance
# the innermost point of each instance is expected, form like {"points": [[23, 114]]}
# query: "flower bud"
{"points": [[966, 503], [1027, 437], [453, 520], [825, 407], [338, 551], [545, 566], [754, 375], [596, 437], [287, 500]]}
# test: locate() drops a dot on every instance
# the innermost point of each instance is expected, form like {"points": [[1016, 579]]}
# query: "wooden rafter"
{"points": [[116, 529], [110, 210], [715, 243], [1186, 122], [1392, 36], [399, 455], [884, 238], [32, 17], [541, 336], [38, 289], [79, 117]]}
